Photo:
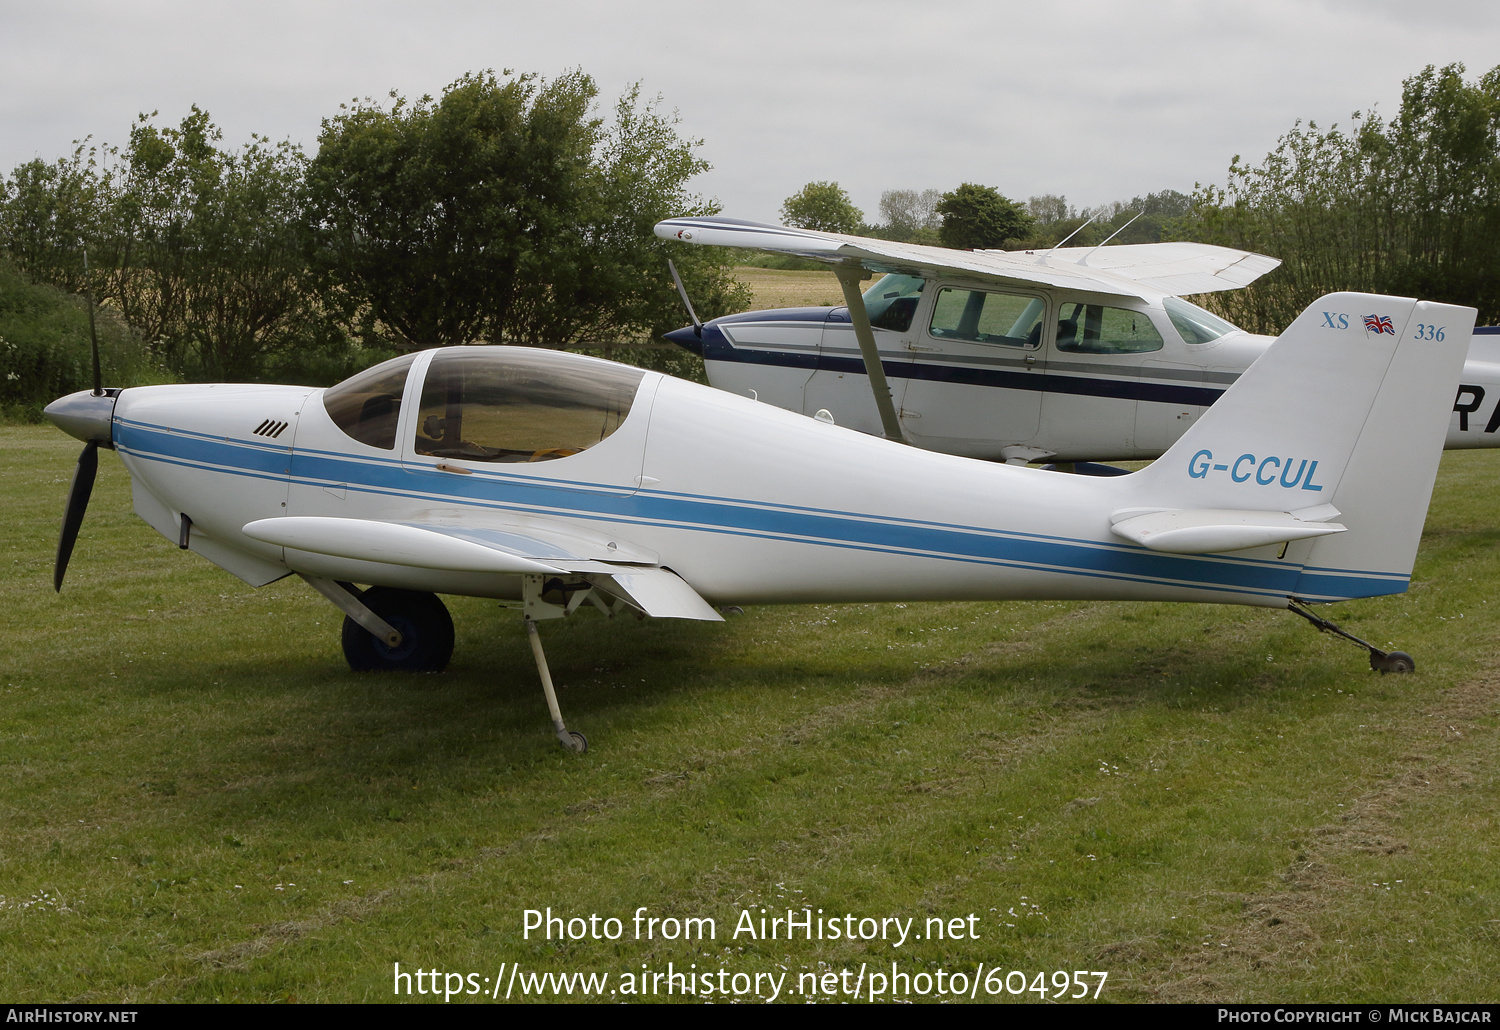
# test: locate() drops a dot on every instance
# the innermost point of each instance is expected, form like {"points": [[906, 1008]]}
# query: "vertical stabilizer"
{"points": [[1349, 409]]}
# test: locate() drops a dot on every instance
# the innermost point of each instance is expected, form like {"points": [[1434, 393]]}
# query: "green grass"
{"points": [[199, 802]]}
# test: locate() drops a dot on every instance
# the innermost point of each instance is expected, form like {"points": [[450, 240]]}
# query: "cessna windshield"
{"points": [[1194, 324]]}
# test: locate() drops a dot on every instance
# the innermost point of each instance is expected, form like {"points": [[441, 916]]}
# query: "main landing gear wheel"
{"points": [[1395, 661], [579, 743], [422, 620]]}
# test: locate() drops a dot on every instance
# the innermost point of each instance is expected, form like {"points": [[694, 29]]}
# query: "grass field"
{"points": [[780, 288], [201, 803]]}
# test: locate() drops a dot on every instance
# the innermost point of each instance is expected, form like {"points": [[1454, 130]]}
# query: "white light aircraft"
{"points": [[1082, 354], [562, 481]]}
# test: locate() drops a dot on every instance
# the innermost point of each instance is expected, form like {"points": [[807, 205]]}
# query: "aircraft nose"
{"points": [[85, 415], [686, 337]]}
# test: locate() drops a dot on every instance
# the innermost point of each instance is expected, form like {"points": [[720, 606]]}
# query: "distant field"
{"points": [[198, 802], [777, 288]]}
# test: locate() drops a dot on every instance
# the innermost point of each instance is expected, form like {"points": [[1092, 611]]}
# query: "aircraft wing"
{"points": [[1129, 270], [527, 547], [1173, 268]]}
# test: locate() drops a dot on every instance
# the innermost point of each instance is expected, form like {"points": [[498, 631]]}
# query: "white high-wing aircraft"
{"points": [[1071, 355], [562, 480]]}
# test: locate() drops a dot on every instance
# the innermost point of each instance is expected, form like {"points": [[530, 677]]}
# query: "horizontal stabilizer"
{"points": [[1212, 530], [392, 543]]}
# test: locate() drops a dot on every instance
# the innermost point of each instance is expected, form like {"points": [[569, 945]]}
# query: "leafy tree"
{"points": [[823, 206], [1147, 219], [1166, 204], [199, 249], [979, 218], [506, 211], [910, 214], [44, 346], [48, 210], [212, 247], [1408, 207], [616, 286], [1048, 208]]}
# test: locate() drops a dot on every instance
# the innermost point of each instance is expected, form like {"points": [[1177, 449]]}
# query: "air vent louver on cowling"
{"points": [[271, 428]]}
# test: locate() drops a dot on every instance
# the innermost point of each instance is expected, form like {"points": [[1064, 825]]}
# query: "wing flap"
{"points": [[1174, 268], [658, 592], [1213, 530]]}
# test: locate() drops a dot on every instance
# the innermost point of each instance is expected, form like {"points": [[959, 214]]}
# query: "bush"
{"points": [[44, 347]]}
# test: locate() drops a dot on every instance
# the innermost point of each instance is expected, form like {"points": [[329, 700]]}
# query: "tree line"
{"points": [[976, 217], [510, 211], [1408, 206], [506, 211]]}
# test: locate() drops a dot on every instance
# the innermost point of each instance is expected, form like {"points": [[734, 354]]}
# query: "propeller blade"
{"points": [[681, 292], [78, 502]]}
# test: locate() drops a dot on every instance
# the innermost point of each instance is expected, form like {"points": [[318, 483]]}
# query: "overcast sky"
{"points": [[1099, 100]]}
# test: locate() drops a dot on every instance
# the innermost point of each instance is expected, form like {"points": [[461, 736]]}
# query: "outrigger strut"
{"points": [[1380, 661]]}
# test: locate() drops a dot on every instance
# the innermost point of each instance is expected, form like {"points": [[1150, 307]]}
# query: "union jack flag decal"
{"points": [[1379, 324]]}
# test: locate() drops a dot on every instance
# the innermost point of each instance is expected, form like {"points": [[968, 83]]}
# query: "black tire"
{"points": [[1399, 661], [425, 626]]}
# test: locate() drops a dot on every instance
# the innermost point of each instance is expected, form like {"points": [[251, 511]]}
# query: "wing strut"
{"points": [[850, 276]]}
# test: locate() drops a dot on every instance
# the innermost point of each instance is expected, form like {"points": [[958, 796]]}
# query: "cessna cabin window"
{"points": [[1096, 329], [980, 316], [366, 406], [892, 301], [515, 404], [1195, 324]]}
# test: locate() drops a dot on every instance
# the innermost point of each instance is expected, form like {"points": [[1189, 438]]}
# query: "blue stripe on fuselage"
{"points": [[516, 492]]}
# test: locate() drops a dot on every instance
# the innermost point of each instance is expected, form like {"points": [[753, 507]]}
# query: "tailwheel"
{"points": [[425, 626], [1381, 661], [1395, 661]]}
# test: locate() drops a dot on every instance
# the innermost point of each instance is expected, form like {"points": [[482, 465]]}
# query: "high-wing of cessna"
{"points": [[564, 481], [1074, 354]]}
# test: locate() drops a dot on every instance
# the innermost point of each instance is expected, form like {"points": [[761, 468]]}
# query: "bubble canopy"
{"points": [[491, 404]]}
